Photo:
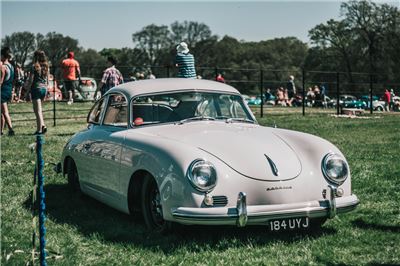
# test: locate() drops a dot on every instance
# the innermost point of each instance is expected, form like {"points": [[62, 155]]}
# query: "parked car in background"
{"points": [[86, 89], [254, 100], [377, 104], [396, 100], [350, 101], [53, 90], [190, 151]]}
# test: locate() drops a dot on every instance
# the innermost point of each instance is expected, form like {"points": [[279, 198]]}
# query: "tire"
{"points": [[151, 207], [73, 177]]}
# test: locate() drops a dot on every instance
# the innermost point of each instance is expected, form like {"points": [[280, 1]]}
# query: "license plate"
{"points": [[289, 224]]}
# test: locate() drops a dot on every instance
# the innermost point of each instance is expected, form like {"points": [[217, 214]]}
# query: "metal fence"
{"points": [[368, 86]]}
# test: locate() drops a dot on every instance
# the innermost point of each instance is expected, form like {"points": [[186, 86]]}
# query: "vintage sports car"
{"points": [[190, 151], [86, 89]]}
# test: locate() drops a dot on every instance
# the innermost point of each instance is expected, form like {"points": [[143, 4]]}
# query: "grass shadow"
{"points": [[91, 217]]}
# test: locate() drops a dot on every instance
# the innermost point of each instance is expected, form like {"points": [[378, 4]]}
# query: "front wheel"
{"points": [[73, 177], [151, 206]]}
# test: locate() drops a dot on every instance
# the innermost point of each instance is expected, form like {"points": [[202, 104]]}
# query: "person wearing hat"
{"points": [[71, 72], [185, 62]]}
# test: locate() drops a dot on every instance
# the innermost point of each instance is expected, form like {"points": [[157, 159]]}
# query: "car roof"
{"points": [[146, 86]]}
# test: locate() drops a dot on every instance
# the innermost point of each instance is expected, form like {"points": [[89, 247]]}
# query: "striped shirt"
{"points": [[185, 64]]}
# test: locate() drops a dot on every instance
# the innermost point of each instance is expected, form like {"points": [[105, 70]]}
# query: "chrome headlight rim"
{"points": [[335, 180], [193, 180]]}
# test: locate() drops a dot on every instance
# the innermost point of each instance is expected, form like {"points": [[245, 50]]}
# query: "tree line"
{"points": [[365, 39]]}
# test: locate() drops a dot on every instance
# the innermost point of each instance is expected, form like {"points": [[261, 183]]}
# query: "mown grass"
{"points": [[82, 231]]}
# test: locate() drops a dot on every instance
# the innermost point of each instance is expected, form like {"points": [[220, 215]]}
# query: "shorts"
{"points": [[6, 96], [38, 93], [290, 94], [71, 85]]}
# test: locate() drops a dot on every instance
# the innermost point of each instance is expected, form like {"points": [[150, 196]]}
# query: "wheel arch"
{"points": [[65, 164], [134, 190]]}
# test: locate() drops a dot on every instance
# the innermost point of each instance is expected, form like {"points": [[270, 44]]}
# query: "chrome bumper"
{"points": [[243, 215]]}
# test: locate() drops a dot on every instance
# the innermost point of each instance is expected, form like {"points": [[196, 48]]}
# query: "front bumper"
{"points": [[243, 215]]}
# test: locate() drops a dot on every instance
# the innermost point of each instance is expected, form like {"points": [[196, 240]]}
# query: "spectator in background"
{"points": [[280, 97], [111, 77], [386, 98], [71, 72], [323, 94], [19, 82], [185, 62], [37, 84], [268, 95], [220, 78], [151, 75], [291, 88], [7, 79], [288, 101], [391, 104], [318, 97], [1, 72], [310, 97], [139, 76]]}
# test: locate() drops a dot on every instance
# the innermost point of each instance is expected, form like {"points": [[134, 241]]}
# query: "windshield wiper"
{"points": [[245, 120], [195, 118]]}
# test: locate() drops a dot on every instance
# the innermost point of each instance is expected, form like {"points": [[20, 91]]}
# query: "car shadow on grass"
{"points": [[360, 223], [91, 217]]}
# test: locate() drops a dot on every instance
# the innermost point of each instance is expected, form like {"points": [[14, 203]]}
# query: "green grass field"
{"points": [[82, 231]]}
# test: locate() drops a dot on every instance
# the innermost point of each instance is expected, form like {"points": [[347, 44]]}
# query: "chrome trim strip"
{"points": [[313, 212]]}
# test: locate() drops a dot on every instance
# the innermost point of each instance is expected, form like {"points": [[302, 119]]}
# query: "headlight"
{"points": [[335, 168], [202, 175]]}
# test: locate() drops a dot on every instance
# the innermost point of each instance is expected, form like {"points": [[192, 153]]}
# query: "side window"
{"points": [[94, 115], [116, 111]]}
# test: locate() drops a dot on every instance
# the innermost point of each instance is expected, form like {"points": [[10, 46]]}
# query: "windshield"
{"points": [[189, 106]]}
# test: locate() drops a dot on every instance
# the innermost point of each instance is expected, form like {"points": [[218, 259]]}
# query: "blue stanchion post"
{"points": [[41, 198]]}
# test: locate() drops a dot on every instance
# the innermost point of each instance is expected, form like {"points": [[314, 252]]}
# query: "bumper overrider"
{"points": [[244, 215]]}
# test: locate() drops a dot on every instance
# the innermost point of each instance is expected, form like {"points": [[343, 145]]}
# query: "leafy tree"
{"points": [[365, 40], [367, 20], [56, 46], [92, 63], [191, 32], [22, 44], [337, 39], [152, 40]]}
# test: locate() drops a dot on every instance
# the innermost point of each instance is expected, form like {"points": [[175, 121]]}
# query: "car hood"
{"points": [[254, 151]]}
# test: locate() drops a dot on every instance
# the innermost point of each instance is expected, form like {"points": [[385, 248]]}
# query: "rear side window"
{"points": [[95, 114], [116, 111]]}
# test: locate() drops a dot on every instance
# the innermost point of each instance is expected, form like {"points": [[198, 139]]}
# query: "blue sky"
{"points": [[110, 24]]}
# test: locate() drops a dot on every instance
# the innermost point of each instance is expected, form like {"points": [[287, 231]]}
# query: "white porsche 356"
{"points": [[191, 152]]}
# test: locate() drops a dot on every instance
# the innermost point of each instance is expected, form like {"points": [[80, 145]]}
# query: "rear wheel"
{"points": [[73, 177], [151, 206]]}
